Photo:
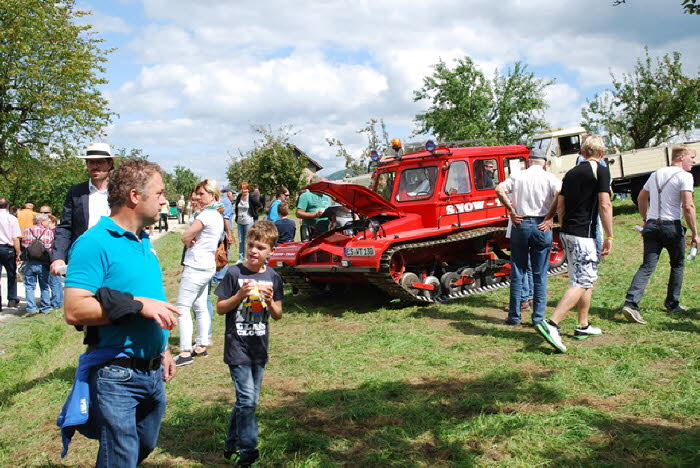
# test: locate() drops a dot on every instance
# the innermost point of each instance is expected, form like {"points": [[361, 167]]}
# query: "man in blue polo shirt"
{"points": [[115, 286]]}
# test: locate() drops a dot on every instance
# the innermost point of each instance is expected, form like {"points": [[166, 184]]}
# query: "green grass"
{"points": [[355, 380]]}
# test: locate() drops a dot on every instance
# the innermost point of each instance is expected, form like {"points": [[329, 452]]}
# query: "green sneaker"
{"points": [[551, 333]]}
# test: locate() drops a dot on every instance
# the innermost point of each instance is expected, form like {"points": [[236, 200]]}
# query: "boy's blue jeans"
{"points": [[242, 434]]}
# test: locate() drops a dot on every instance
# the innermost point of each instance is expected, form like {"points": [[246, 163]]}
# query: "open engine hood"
{"points": [[358, 197]]}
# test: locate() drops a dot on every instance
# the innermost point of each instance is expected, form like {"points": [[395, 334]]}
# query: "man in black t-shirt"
{"points": [[585, 194]]}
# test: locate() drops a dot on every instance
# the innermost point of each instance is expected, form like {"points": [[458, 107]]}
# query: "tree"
{"points": [[358, 165], [47, 181], [466, 105], [689, 6], [649, 107], [271, 163], [184, 180], [50, 73]]}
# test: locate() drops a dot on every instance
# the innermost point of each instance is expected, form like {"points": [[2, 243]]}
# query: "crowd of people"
{"points": [[114, 289]]}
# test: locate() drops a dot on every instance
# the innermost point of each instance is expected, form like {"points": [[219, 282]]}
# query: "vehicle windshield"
{"points": [[417, 184], [385, 184], [542, 144]]}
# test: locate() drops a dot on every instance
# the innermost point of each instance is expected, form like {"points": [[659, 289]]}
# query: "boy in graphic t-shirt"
{"points": [[249, 294]]}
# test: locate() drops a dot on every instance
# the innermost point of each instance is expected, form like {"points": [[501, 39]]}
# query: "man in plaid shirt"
{"points": [[37, 269]]}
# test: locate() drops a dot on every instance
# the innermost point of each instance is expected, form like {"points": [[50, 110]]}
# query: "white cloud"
{"points": [[211, 68], [104, 23]]}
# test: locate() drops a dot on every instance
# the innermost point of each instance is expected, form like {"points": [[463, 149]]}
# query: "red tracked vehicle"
{"points": [[432, 229]]}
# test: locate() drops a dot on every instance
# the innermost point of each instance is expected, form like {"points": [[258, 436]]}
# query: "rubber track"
{"points": [[386, 283]]}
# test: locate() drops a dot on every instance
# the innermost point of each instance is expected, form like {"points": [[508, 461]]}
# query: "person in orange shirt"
{"points": [[25, 216]]}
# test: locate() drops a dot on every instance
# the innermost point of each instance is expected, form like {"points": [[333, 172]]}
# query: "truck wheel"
{"points": [[447, 280], [407, 280], [557, 256], [433, 281], [635, 187]]}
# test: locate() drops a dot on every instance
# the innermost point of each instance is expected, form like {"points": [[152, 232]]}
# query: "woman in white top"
{"points": [[246, 209], [201, 240]]}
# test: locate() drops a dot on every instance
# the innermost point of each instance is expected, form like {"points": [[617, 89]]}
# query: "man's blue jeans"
{"points": [[243, 425], [128, 406], [36, 271], [527, 242], [56, 287]]}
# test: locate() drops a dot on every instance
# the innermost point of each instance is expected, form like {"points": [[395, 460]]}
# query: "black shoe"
{"points": [[183, 361], [202, 354], [511, 322], [230, 455], [12, 304]]}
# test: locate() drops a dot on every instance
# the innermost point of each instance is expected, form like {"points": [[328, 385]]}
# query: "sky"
{"points": [[188, 78]]}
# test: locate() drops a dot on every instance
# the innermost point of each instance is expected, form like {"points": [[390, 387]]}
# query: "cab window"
{"points": [[458, 181], [485, 174], [570, 145], [417, 184], [385, 183], [512, 166]]}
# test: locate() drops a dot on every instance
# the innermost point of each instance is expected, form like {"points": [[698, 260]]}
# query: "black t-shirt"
{"points": [[580, 189], [286, 229], [247, 327]]}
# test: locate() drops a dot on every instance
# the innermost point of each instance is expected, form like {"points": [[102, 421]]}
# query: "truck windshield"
{"points": [[417, 184], [542, 144]]}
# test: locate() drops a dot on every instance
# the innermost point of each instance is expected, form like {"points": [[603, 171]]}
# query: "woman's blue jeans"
{"points": [[529, 245], [242, 232], [243, 425]]}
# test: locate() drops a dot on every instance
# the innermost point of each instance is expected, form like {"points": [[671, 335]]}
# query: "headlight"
{"points": [[280, 264]]}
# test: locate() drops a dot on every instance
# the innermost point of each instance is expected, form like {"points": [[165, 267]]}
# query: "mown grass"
{"points": [[356, 380]]}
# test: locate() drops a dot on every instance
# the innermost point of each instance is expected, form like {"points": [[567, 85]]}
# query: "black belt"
{"points": [[138, 363], [664, 221]]}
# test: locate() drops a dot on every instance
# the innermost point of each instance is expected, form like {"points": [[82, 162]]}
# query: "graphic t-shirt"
{"points": [[247, 327], [580, 189]]}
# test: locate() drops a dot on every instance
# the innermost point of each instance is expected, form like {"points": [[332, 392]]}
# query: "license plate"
{"points": [[359, 251]]}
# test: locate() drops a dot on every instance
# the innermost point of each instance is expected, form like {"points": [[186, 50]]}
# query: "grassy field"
{"points": [[357, 380]]}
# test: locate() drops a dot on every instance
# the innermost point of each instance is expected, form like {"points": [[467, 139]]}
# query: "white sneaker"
{"points": [[551, 334], [583, 333]]}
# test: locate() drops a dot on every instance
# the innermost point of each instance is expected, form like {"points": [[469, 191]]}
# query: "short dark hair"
{"points": [[4, 203], [283, 209], [131, 174]]}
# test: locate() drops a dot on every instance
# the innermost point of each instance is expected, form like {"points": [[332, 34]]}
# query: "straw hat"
{"points": [[97, 151]]}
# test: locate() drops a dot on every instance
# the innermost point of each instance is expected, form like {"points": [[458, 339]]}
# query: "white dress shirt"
{"points": [[532, 191], [9, 228], [97, 205]]}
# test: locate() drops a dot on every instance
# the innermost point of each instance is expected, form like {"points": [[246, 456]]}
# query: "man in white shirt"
{"points": [[666, 196], [9, 250], [85, 204], [534, 193]]}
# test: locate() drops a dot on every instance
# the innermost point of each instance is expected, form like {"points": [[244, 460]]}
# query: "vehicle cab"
{"points": [[448, 185]]}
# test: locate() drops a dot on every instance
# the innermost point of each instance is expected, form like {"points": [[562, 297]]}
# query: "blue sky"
{"points": [[188, 78]]}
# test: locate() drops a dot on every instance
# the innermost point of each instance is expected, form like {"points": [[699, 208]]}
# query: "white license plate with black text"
{"points": [[359, 251]]}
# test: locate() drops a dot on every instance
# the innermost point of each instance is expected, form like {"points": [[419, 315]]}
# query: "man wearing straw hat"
{"points": [[85, 204]]}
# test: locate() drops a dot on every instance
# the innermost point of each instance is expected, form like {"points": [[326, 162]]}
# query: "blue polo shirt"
{"points": [[108, 255]]}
